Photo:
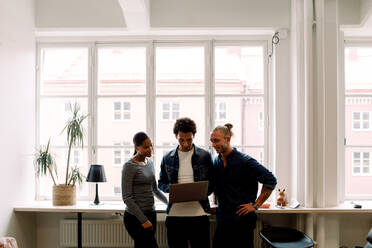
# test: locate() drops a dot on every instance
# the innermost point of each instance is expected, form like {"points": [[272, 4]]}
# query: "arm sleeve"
{"points": [[163, 181], [158, 193], [264, 176], [127, 176]]}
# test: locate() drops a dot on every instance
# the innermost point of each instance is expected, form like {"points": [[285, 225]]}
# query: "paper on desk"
{"points": [[294, 203]]}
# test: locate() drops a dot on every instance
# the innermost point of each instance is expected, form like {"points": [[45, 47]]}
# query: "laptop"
{"points": [[184, 192]]}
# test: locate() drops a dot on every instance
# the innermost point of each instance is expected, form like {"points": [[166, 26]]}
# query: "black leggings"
{"points": [[142, 238]]}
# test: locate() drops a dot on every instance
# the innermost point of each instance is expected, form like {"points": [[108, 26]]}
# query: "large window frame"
{"points": [[343, 143], [150, 96]]}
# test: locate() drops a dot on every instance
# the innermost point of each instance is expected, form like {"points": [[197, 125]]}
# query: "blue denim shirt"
{"points": [[202, 166], [237, 182]]}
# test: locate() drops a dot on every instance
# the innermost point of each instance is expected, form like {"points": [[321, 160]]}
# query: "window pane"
{"points": [[122, 70], [365, 124], [366, 116], [110, 130], [239, 70], [356, 155], [242, 112], [187, 107], [112, 171], [53, 117], [358, 64], [180, 70], [357, 180], [64, 71], [117, 105], [365, 155], [126, 105]]}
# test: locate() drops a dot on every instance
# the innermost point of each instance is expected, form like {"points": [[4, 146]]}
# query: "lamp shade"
{"points": [[96, 174]]}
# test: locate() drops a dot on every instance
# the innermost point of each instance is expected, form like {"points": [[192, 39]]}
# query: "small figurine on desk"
{"points": [[281, 201]]}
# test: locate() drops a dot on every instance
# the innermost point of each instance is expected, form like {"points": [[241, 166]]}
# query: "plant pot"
{"points": [[64, 195]]}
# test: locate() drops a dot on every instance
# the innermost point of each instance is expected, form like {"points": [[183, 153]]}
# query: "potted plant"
{"points": [[64, 194]]}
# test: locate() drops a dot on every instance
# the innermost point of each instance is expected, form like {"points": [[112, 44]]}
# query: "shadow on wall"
{"points": [[22, 226]]}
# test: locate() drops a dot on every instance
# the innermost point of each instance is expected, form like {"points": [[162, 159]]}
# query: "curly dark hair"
{"points": [[184, 125]]}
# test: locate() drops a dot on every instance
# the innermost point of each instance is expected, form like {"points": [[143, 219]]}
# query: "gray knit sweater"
{"points": [[138, 189]]}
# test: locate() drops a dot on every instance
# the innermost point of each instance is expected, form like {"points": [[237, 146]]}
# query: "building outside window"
{"points": [[357, 125]]}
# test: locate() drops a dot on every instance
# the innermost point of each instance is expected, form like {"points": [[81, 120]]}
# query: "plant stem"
{"points": [[51, 174], [68, 158]]}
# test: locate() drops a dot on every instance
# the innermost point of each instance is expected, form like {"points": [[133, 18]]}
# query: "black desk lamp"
{"points": [[96, 175]]}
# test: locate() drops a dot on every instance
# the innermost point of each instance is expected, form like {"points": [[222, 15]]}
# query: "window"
{"points": [[117, 191], [361, 121], [123, 99], [220, 113], [122, 111], [240, 84], [357, 124], [62, 81], [361, 163], [170, 111], [121, 155]]}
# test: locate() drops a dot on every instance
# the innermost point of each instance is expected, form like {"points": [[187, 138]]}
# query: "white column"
{"points": [[302, 107], [325, 103], [325, 120]]}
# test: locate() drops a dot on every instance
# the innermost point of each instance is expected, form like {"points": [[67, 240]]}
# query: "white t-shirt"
{"points": [[186, 175]]}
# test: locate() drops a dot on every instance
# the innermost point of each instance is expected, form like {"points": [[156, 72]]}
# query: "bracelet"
{"points": [[255, 206]]}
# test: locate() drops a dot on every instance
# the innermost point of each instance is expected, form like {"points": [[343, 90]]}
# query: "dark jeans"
{"points": [[233, 233], [142, 238], [182, 230]]}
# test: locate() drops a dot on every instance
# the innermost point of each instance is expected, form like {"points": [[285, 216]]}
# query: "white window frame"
{"points": [[268, 103], [88, 146], [151, 97], [343, 142]]}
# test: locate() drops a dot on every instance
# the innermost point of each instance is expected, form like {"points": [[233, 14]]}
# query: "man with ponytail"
{"points": [[187, 222], [236, 186]]}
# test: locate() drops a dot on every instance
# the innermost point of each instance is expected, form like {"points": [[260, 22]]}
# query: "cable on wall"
{"points": [[274, 41]]}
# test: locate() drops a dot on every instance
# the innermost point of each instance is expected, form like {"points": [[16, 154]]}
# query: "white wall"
{"points": [[349, 12], [164, 13], [17, 111], [79, 14], [220, 13]]}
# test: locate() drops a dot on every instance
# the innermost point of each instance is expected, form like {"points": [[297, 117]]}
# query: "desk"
{"points": [[118, 207], [80, 208]]}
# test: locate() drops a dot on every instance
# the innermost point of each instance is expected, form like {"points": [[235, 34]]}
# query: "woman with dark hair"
{"points": [[138, 189]]}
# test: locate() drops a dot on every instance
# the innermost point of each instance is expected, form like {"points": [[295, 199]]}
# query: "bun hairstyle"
{"points": [[225, 129], [138, 139]]}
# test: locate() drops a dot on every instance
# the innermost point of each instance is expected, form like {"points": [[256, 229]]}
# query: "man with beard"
{"points": [[236, 185]]}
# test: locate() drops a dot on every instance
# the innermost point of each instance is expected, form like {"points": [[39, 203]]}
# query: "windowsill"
{"points": [[118, 207], [81, 206]]}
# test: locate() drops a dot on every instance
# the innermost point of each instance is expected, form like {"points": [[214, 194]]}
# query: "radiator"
{"points": [[111, 233]]}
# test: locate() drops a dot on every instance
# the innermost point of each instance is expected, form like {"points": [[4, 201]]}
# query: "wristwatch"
{"points": [[255, 206]]}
